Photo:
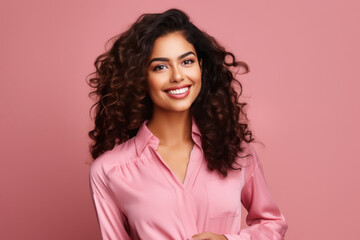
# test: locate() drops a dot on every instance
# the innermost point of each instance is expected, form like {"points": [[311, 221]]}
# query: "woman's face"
{"points": [[174, 73]]}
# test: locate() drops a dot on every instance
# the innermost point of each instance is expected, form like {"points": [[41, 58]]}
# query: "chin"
{"points": [[179, 108], [174, 105]]}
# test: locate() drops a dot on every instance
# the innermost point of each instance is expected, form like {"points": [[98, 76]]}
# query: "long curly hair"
{"points": [[123, 102]]}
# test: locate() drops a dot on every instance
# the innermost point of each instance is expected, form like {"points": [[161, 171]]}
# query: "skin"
{"points": [[175, 142], [209, 236], [174, 62]]}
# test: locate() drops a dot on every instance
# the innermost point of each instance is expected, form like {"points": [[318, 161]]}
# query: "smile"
{"points": [[178, 91]]}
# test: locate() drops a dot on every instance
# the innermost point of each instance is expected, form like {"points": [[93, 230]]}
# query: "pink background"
{"points": [[303, 95]]}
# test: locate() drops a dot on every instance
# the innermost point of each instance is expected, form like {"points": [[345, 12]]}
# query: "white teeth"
{"points": [[178, 91]]}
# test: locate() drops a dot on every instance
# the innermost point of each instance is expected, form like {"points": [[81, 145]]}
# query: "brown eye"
{"points": [[188, 61], [159, 67]]}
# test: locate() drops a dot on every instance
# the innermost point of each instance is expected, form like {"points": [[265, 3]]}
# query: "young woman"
{"points": [[174, 158]]}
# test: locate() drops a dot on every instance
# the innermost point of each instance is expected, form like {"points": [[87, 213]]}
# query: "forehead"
{"points": [[171, 45]]}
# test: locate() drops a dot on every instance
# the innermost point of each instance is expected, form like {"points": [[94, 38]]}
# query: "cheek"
{"points": [[154, 85], [196, 78], [151, 83], [195, 74]]}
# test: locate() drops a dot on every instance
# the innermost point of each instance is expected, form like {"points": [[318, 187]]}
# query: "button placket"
{"points": [[186, 213]]}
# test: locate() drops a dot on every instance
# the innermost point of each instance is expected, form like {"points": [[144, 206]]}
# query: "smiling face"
{"points": [[174, 73]]}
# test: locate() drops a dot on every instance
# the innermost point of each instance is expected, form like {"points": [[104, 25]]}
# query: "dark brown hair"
{"points": [[123, 103]]}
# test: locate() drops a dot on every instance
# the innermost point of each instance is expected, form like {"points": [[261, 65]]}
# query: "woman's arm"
{"points": [[264, 217], [110, 218]]}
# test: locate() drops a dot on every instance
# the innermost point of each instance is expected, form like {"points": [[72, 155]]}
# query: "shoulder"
{"points": [[247, 159], [119, 155], [248, 154]]}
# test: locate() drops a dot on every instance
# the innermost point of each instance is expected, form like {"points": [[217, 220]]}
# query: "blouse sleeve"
{"points": [[264, 217], [111, 220]]}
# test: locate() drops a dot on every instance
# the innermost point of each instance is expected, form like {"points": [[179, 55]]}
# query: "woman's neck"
{"points": [[171, 128]]}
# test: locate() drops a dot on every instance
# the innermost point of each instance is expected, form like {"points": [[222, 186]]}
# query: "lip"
{"points": [[178, 87], [181, 95]]}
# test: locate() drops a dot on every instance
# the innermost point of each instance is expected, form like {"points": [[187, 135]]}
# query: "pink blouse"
{"points": [[137, 196]]}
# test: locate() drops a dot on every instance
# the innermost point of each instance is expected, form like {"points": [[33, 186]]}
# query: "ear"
{"points": [[200, 63]]}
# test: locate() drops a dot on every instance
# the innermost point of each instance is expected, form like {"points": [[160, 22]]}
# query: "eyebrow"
{"points": [[167, 60]]}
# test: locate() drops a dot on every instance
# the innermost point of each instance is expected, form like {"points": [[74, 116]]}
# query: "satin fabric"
{"points": [[137, 196]]}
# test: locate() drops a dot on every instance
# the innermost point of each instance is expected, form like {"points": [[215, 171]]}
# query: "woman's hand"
{"points": [[209, 236]]}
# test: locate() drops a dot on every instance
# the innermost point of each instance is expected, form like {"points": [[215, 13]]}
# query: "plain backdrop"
{"points": [[302, 94]]}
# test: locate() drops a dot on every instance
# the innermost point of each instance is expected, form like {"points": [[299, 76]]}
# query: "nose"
{"points": [[177, 75]]}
